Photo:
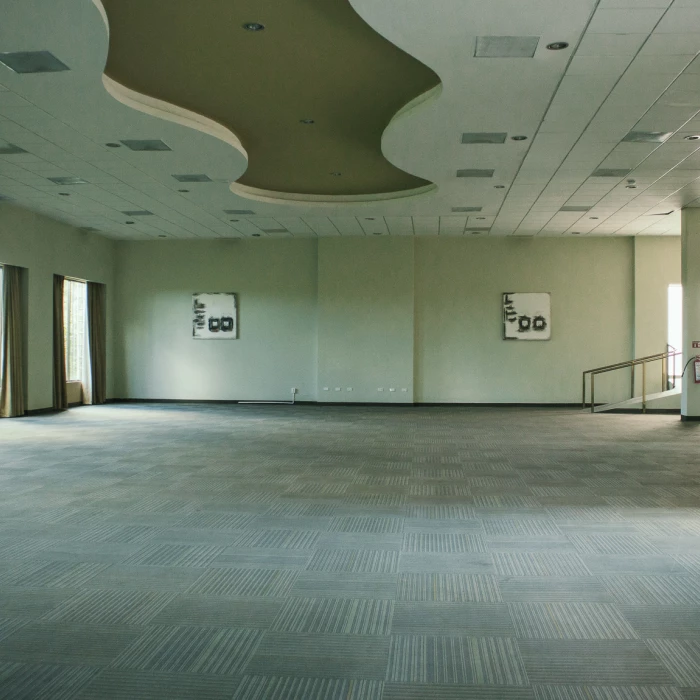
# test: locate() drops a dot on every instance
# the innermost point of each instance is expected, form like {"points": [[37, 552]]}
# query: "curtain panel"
{"points": [[60, 399], [12, 371], [97, 334]]}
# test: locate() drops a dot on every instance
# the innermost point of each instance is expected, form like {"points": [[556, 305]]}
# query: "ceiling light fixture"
{"points": [[253, 26], [648, 136], [692, 137], [162, 235], [631, 187], [256, 235], [146, 145], [183, 190], [198, 177], [129, 222], [234, 221], [307, 121], [518, 138], [484, 137], [68, 180], [336, 174], [458, 210], [558, 45], [595, 218], [111, 144], [469, 172], [506, 46], [377, 233], [499, 187], [575, 233], [64, 194]]}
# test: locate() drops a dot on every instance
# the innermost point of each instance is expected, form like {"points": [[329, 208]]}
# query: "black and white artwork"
{"points": [[215, 316], [527, 316]]}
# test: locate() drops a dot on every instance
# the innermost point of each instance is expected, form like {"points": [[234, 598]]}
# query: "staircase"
{"points": [[667, 385]]}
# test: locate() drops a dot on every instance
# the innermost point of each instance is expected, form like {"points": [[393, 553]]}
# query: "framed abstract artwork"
{"points": [[527, 316], [215, 316]]}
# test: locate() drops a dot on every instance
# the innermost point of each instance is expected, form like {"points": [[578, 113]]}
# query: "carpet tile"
{"points": [[348, 553]]}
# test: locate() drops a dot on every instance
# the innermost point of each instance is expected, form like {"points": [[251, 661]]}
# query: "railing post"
{"points": [[664, 382], [632, 387], [644, 387], [583, 393], [592, 392]]}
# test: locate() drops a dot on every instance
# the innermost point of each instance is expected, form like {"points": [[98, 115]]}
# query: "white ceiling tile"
{"points": [[625, 20]]}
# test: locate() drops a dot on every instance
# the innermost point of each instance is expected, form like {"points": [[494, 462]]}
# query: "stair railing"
{"points": [[663, 357]]}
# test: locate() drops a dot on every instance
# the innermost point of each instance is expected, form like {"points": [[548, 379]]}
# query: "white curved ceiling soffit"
{"points": [[627, 69]]}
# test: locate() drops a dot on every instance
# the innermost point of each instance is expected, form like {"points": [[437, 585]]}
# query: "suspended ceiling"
{"points": [[630, 66]]}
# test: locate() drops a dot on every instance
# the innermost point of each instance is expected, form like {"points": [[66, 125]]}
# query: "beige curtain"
{"points": [[97, 327], [60, 400], [12, 400]]}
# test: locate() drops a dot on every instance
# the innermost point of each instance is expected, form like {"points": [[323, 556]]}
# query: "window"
{"points": [[675, 327], [74, 326]]}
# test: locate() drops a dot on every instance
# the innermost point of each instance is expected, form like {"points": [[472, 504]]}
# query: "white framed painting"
{"points": [[527, 316], [215, 316]]}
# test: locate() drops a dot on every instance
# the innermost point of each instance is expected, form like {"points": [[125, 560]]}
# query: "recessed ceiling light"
{"points": [[575, 233], [9, 149], [162, 235], [648, 136], [474, 173], [370, 218], [111, 144], [239, 212], [70, 180], [506, 46], [64, 194], [192, 178], [631, 187], [183, 190], [377, 233], [253, 26], [558, 45], [307, 121], [32, 62], [574, 208], [129, 222], [457, 210], [692, 137], [481, 218], [146, 145], [499, 187], [484, 137], [275, 230], [610, 172], [595, 218], [518, 138], [235, 221], [336, 174], [256, 235], [138, 212]]}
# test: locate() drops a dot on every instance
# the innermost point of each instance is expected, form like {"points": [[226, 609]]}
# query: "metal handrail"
{"points": [[662, 356]]}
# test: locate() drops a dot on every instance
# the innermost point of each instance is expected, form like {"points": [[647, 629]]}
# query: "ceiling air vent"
{"points": [[70, 180], [648, 136], [484, 137], [610, 172], [9, 149], [239, 212], [192, 178], [506, 46], [275, 230], [138, 212], [474, 173], [146, 145], [575, 208], [460, 210], [32, 62]]}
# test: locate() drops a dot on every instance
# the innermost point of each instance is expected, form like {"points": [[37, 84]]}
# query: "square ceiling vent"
{"points": [[610, 172], [648, 136], [9, 149], [198, 177], [146, 145], [460, 210], [474, 173], [32, 62], [483, 137], [239, 212], [506, 46]]}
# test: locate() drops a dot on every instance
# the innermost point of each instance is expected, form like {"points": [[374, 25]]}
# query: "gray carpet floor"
{"points": [[308, 553]]}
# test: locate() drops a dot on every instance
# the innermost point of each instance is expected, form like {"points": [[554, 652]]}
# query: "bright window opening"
{"points": [[75, 324], [675, 327]]}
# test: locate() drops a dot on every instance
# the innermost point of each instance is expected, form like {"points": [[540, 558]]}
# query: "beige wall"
{"points": [[45, 247], [365, 319], [460, 353], [276, 350]]}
